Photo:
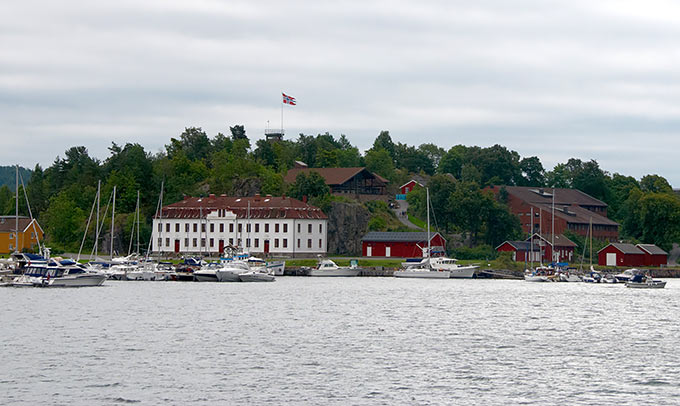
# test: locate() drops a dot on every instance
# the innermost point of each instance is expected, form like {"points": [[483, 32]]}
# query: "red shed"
{"points": [[542, 245], [654, 256], [620, 254], [520, 250], [401, 244], [408, 186]]}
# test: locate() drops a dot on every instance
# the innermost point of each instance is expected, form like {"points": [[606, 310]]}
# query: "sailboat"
{"points": [[424, 269]]}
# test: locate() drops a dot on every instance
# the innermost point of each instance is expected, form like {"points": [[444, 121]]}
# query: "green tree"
{"points": [[380, 162], [238, 132], [533, 173], [655, 184], [310, 185], [384, 141]]}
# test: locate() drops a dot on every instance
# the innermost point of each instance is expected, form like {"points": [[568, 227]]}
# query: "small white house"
{"points": [[258, 224]]}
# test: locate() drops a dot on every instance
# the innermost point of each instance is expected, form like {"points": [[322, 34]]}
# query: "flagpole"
{"points": [[282, 113]]}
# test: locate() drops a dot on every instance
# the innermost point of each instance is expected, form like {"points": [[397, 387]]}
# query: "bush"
{"points": [[478, 252]]}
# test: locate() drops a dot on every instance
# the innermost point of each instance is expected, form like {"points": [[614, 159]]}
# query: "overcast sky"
{"points": [[557, 79]]}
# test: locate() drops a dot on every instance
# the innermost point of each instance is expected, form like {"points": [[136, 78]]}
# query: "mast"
{"points": [[16, 214], [429, 249], [113, 216], [96, 241], [590, 231], [552, 243], [248, 229], [138, 216], [531, 240]]}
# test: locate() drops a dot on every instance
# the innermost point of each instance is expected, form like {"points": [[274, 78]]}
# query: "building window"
{"points": [[257, 242], [257, 228], [285, 228], [212, 228], [160, 243], [160, 228], [221, 228], [247, 242], [240, 228], [266, 227], [276, 227], [195, 242], [298, 228], [186, 227], [231, 241], [309, 228], [298, 243], [320, 228], [231, 227], [167, 242], [212, 243], [276, 243], [202, 242], [309, 243], [186, 243], [285, 243], [319, 242], [203, 227], [167, 228], [195, 227], [238, 242], [248, 228], [177, 228]]}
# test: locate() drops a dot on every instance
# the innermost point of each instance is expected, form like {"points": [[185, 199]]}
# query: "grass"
{"points": [[418, 222]]}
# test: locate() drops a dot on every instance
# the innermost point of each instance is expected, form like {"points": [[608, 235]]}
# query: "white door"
{"points": [[611, 259], [388, 251], [369, 251]]}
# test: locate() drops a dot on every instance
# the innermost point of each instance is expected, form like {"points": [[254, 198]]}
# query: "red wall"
{"points": [[655, 260], [399, 249], [621, 259], [409, 187]]}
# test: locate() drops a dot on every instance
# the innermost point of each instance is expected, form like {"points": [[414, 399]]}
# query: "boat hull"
{"points": [[334, 272], [205, 277], [463, 272], [227, 276], [77, 281], [646, 285], [276, 268], [422, 274], [256, 277], [535, 278]]}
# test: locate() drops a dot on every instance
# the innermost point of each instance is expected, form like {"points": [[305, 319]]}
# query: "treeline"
{"points": [[194, 163]]}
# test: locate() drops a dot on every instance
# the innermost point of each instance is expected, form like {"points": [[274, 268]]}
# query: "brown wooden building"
{"points": [[357, 181]]}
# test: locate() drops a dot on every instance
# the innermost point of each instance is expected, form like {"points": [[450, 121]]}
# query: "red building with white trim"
{"points": [[542, 249], [620, 254], [409, 186], [401, 244]]}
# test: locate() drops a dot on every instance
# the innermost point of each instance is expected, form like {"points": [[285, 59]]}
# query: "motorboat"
{"points": [[566, 276], [255, 276], [540, 274], [206, 274], [230, 272], [66, 273], [443, 264], [592, 277], [276, 267], [327, 267], [627, 275], [645, 282], [423, 272]]}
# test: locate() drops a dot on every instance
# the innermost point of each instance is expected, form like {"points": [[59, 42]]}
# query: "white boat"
{"points": [[327, 267], [421, 272], [627, 275], [64, 274], [206, 274], [231, 271], [569, 277], [276, 267], [645, 282], [539, 274], [532, 277], [254, 276]]}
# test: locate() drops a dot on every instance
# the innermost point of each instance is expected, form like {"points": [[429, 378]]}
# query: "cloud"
{"points": [[595, 80]]}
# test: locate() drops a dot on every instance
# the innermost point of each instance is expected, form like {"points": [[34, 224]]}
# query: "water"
{"points": [[340, 341]]}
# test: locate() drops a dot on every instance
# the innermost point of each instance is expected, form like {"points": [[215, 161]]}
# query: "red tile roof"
{"points": [[262, 207]]}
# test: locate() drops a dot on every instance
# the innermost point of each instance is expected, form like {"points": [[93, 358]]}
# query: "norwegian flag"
{"points": [[288, 100]]}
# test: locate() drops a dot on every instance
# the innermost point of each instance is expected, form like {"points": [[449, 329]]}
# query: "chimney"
{"points": [[257, 197], [304, 199], [212, 195]]}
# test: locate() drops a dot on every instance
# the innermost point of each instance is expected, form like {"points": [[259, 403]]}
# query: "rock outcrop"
{"points": [[347, 224]]}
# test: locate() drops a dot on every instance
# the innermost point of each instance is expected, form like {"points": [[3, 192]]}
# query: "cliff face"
{"points": [[347, 224]]}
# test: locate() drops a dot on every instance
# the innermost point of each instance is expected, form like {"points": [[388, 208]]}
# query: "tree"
{"points": [[655, 184], [380, 162], [193, 142], [660, 219], [310, 185], [533, 173], [453, 160], [384, 141], [238, 132]]}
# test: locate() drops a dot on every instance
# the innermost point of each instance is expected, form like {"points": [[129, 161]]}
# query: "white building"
{"points": [[258, 224]]}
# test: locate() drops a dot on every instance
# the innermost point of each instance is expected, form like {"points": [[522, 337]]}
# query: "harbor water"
{"points": [[341, 341]]}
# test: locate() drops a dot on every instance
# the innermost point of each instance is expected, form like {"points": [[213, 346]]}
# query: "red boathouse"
{"points": [[401, 244]]}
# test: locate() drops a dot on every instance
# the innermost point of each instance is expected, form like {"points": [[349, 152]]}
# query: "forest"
{"points": [[61, 196]]}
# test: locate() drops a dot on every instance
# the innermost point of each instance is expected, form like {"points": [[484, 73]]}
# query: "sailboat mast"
{"points": [[16, 214], [96, 238], [531, 240], [552, 242], [590, 231], [138, 216], [429, 248], [113, 216]]}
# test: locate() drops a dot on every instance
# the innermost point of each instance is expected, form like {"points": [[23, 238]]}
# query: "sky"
{"points": [[550, 78]]}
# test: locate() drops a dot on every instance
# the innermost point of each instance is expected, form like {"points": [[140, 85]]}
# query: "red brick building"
{"points": [[574, 211], [401, 244]]}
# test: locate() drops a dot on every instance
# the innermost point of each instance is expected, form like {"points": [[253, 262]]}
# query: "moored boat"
{"points": [[645, 282], [327, 267]]}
